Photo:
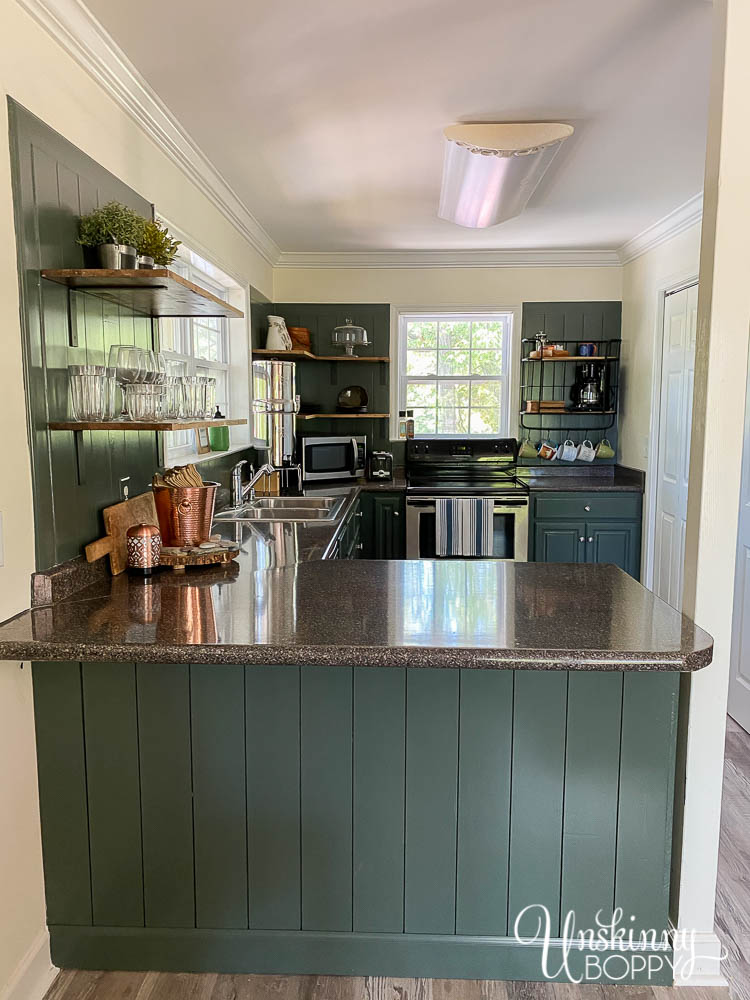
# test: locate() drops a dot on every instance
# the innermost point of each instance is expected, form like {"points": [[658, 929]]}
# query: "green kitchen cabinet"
{"points": [[559, 542], [348, 545], [384, 525], [587, 528]]}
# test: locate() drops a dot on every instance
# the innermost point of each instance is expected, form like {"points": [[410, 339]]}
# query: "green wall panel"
{"points": [[273, 796], [649, 721], [592, 764], [326, 742], [111, 727], [537, 796], [61, 769], [484, 756], [379, 755], [166, 793], [219, 791], [330, 818], [431, 800]]}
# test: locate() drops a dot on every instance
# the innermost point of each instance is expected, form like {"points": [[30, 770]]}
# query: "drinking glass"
{"points": [[127, 360], [88, 391]]}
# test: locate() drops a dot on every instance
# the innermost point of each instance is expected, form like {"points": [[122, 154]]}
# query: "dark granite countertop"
{"points": [[281, 605], [620, 481]]}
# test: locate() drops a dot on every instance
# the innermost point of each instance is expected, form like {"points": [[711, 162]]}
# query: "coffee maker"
{"points": [[589, 391]]}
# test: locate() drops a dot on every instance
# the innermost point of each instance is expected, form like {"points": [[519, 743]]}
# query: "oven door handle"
{"points": [[427, 506]]}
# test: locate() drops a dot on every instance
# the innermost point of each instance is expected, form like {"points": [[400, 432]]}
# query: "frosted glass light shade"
{"points": [[491, 171]]}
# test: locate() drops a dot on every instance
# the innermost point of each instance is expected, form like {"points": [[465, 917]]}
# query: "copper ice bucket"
{"points": [[185, 513]]}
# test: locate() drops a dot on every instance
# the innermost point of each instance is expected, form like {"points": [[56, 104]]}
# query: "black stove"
{"points": [[463, 466]]}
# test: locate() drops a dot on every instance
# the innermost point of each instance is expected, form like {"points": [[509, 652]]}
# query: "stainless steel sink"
{"points": [[285, 509]]}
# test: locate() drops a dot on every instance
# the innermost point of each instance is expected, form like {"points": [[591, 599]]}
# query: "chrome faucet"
{"points": [[242, 492], [237, 483]]}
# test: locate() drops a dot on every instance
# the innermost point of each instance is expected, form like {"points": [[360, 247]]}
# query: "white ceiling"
{"points": [[326, 118]]}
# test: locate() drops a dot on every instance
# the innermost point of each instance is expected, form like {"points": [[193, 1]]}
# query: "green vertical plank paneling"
{"points": [[592, 763], [61, 769], [379, 754], [431, 793], [649, 720], [273, 796], [217, 694], [166, 793], [484, 801], [111, 726], [539, 709], [326, 771]]}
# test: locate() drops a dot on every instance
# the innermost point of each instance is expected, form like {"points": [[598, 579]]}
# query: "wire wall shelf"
{"points": [[550, 390]]}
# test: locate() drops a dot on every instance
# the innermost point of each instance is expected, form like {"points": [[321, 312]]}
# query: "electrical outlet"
{"points": [[125, 488]]}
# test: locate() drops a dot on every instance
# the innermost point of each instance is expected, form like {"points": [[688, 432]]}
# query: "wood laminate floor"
{"points": [[733, 886], [732, 925]]}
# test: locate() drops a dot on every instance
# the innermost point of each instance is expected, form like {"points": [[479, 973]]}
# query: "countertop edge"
{"points": [[362, 656]]}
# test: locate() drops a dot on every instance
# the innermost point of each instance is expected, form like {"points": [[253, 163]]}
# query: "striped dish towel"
{"points": [[464, 526]]}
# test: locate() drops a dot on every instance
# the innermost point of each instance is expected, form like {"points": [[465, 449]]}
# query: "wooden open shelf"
{"points": [[140, 425], [308, 356], [570, 357], [566, 413], [149, 291], [342, 416]]}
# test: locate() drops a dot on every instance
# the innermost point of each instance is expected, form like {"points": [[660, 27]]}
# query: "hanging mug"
{"points": [[567, 451], [586, 451], [527, 449], [547, 450], [604, 449]]}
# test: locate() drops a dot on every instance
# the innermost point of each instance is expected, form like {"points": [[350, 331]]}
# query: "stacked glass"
{"points": [[89, 392]]}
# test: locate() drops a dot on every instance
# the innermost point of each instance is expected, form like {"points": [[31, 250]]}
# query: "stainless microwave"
{"points": [[333, 458]]}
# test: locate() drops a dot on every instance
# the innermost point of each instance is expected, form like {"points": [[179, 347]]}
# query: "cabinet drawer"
{"points": [[589, 505]]}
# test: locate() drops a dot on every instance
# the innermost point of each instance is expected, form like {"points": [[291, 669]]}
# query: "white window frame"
{"points": [[195, 263], [401, 315]]}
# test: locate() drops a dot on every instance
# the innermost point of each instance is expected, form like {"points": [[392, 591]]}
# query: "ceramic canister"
{"points": [[144, 548]]}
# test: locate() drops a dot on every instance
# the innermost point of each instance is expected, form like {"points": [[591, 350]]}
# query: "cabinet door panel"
{"points": [[615, 542], [559, 541], [389, 541]]}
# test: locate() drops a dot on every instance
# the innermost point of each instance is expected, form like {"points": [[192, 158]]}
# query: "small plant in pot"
{"points": [[156, 248], [113, 232]]}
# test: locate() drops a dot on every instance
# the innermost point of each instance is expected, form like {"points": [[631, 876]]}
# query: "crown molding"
{"points": [[452, 258], [682, 218], [81, 35]]}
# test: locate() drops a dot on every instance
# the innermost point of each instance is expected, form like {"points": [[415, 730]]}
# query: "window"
{"points": [[213, 346], [454, 372]]}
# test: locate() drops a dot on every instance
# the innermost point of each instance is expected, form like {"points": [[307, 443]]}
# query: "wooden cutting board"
{"points": [[117, 519]]}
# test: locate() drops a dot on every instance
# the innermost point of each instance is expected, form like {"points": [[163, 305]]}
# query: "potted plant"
{"points": [[114, 231], [156, 247]]}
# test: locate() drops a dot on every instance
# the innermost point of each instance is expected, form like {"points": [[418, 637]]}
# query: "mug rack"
{"points": [[550, 379]]}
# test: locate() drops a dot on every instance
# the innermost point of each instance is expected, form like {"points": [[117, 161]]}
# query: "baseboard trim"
{"points": [[345, 954], [697, 959], [34, 974]]}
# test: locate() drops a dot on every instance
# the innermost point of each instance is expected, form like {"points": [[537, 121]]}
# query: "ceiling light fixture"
{"points": [[491, 170]]}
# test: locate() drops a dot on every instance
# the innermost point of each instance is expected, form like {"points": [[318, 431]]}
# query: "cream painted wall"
{"points": [[643, 281], [37, 73], [444, 286]]}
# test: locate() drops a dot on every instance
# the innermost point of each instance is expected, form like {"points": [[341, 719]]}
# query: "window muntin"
{"points": [[454, 373], [198, 345]]}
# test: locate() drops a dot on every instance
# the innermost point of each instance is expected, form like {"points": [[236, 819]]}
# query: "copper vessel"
{"points": [[144, 548], [185, 513]]}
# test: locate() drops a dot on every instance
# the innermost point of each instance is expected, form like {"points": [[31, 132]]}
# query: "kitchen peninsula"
{"points": [[296, 764]]}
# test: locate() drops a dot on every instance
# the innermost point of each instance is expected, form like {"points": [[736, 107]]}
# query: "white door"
{"points": [[676, 411], [739, 667]]}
